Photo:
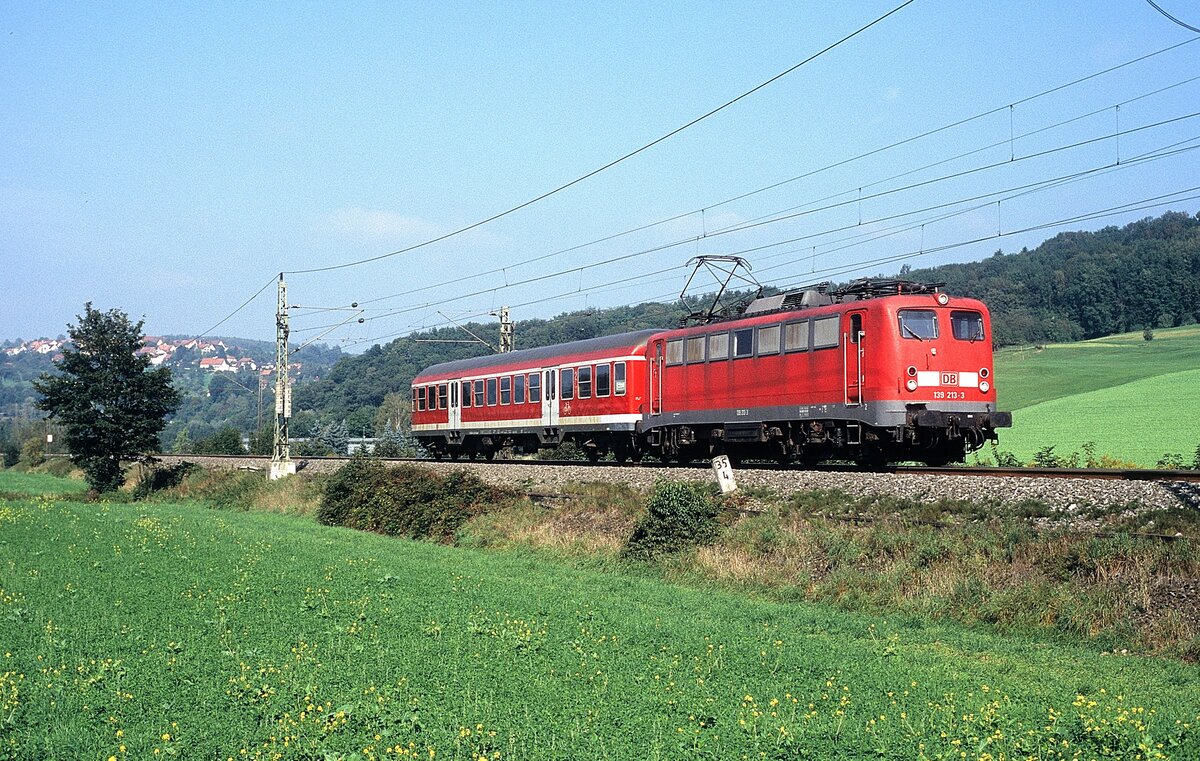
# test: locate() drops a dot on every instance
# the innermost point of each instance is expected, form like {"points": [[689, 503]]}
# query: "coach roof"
{"points": [[624, 342]]}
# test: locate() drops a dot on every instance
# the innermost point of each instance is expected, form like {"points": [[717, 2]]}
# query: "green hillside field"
{"points": [[1135, 399], [153, 630]]}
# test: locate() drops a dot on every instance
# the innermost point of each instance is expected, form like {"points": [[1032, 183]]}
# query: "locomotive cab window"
{"points": [[795, 336], [478, 393], [967, 326], [743, 342], [535, 387], [718, 346], [619, 378], [768, 339], [675, 352], [856, 330], [491, 392], [602, 380], [825, 332], [506, 390], [519, 389], [918, 324], [566, 386]]}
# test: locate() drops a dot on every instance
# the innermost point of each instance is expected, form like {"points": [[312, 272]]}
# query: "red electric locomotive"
{"points": [[875, 372]]}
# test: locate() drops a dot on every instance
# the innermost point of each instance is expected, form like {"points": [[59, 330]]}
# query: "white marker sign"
{"points": [[724, 473]]}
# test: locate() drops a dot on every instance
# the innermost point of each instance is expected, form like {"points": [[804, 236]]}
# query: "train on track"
{"points": [[876, 372]]}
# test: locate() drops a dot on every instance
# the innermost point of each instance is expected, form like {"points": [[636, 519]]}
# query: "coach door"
{"points": [[549, 398], [656, 378], [853, 372], [455, 409]]}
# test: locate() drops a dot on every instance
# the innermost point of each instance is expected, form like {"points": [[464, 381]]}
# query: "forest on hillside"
{"points": [[1074, 286]]}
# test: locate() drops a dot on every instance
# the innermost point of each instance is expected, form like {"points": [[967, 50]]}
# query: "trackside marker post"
{"points": [[724, 473]]}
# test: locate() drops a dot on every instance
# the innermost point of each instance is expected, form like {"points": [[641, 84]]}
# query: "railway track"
{"points": [[1094, 474]]}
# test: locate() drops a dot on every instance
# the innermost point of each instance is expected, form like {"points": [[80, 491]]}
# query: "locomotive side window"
{"points": [[967, 326], [743, 342], [535, 387], [695, 349], [675, 352], [918, 324], [478, 393], [466, 393], [585, 383], [419, 394], [602, 380], [825, 332], [768, 339], [619, 378], [718, 346], [506, 390], [442, 391], [795, 336], [566, 385], [491, 392], [519, 389]]}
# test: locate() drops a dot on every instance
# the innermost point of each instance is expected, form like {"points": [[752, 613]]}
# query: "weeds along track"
{"points": [[1076, 497]]}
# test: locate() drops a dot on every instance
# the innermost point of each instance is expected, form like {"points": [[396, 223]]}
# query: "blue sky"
{"points": [[169, 159]]}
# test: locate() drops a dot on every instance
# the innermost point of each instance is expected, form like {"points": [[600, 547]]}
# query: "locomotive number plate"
{"points": [[949, 379]]}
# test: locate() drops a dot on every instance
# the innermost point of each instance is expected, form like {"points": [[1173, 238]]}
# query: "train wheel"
{"points": [[490, 455], [455, 454], [592, 454]]}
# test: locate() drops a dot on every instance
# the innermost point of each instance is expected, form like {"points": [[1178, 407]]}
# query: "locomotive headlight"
{"points": [[984, 372], [911, 385], [943, 299], [912, 371], [984, 386]]}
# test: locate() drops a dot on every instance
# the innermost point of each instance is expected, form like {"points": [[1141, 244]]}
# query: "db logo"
{"points": [[566, 408], [949, 379]]}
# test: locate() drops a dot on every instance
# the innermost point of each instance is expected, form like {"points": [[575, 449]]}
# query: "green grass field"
{"points": [[144, 631], [1136, 399]]}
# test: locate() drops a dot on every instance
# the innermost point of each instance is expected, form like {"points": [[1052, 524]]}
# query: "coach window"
{"points": [[466, 393], [795, 336], [675, 352], [431, 397], [718, 346], [491, 392], [478, 393], [535, 387], [585, 383], [602, 380], [419, 398], [619, 378], [519, 389], [768, 339], [967, 326], [443, 390], [566, 386], [506, 390], [918, 324], [743, 342], [825, 332], [695, 349]]}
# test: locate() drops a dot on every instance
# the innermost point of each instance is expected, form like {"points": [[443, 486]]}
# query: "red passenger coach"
{"points": [[875, 372], [591, 392]]}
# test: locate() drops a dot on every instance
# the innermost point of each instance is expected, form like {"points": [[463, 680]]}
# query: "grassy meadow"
{"points": [[176, 630], [1137, 400]]}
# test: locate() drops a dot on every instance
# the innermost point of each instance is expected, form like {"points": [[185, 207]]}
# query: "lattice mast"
{"points": [[281, 460]]}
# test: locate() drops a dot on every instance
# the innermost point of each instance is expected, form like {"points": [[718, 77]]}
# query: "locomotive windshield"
{"points": [[967, 326], [920, 324]]}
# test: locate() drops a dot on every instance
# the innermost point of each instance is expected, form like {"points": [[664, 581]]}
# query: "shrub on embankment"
{"points": [[406, 500]]}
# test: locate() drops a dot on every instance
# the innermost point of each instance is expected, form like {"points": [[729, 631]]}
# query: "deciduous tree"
{"points": [[110, 403]]}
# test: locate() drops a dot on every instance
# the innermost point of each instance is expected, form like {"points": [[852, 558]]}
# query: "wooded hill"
{"points": [[1073, 286]]}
